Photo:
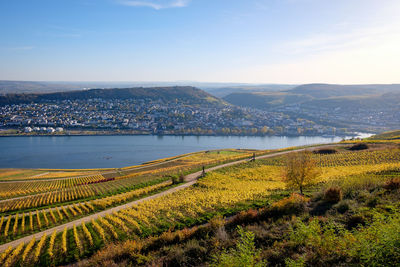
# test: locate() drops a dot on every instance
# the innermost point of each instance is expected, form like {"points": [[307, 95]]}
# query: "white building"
{"points": [[28, 129], [50, 130]]}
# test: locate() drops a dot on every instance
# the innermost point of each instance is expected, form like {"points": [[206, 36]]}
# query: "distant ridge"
{"points": [[182, 93], [316, 94], [321, 90]]}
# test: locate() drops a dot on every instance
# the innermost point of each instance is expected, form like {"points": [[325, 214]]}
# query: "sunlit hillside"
{"points": [[99, 215]]}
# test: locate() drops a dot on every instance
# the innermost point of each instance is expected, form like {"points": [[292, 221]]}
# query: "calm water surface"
{"points": [[75, 152]]}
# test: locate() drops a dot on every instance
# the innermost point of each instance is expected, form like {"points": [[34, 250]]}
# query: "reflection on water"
{"points": [[118, 151]]}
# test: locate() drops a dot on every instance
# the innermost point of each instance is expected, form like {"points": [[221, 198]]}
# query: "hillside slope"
{"points": [[181, 93], [392, 135]]}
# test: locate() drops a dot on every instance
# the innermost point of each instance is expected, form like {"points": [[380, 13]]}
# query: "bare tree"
{"points": [[300, 170]]}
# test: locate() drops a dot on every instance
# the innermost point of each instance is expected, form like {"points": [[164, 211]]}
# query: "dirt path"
{"points": [[190, 179]]}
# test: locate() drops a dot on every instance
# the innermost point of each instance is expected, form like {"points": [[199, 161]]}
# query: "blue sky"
{"points": [[254, 41]]}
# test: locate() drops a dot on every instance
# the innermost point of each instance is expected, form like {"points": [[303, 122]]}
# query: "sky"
{"points": [[243, 41]]}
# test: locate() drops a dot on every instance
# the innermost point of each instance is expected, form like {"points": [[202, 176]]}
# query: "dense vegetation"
{"points": [[185, 94]]}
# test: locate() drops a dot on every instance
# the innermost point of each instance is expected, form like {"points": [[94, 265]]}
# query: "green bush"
{"points": [[244, 254], [343, 206], [376, 244], [379, 243]]}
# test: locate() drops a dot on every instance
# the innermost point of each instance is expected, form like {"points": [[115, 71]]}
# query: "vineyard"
{"points": [[225, 191], [88, 194], [348, 158], [12, 189], [25, 196]]}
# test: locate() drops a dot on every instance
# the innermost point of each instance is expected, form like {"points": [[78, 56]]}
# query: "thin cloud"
{"points": [[156, 4], [356, 38]]}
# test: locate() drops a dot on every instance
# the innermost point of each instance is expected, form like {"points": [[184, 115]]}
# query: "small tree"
{"points": [[300, 170]]}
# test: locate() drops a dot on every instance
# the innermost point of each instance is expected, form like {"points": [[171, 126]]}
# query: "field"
{"points": [[190, 220]]}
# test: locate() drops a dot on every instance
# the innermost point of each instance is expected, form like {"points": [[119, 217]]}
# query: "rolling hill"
{"points": [[319, 94], [361, 107], [186, 94]]}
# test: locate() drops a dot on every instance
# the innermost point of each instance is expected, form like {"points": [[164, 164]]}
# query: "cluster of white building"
{"points": [[43, 129]]}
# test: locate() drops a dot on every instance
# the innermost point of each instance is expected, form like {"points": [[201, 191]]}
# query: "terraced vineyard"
{"points": [[224, 191], [33, 205]]}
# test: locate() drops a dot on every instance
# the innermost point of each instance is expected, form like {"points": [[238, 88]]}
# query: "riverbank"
{"points": [[17, 133]]}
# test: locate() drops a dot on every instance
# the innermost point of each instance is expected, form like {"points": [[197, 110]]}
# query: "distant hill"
{"points": [[386, 100], [35, 87], [281, 99], [224, 91], [186, 94], [216, 89], [315, 94], [336, 90], [266, 100], [370, 108]]}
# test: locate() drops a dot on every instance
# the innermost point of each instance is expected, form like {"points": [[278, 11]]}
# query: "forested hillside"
{"points": [[181, 93]]}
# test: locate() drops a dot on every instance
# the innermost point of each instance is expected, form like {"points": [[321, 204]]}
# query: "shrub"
{"points": [[325, 151], [217, 222], [392, 184], [186, 233], [343, 206], [175, 257], [295, 204], [378, 244], [245, 216], [354, 221], [194, 253], [359, 146], [244, 254], [174, 179], [374, 245], [372, 202], [168, 237], [333, 195]]}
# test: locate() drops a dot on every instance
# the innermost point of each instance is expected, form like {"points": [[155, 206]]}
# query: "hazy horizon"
{"points": [[188, 83], [249, 42]]}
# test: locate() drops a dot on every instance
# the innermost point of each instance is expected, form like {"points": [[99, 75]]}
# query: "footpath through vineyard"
{"points": [[189, 179]]}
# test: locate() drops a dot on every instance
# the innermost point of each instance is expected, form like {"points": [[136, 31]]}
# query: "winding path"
{"points": [[190, 179]]}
